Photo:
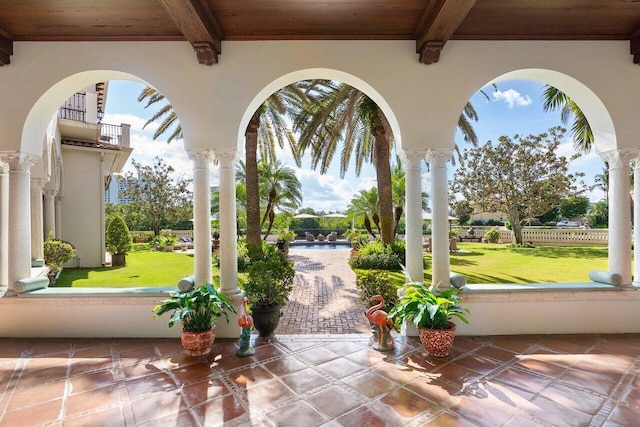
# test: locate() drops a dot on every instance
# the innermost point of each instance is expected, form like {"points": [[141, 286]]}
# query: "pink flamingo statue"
{"points": [[381, 326], [245, 321]]}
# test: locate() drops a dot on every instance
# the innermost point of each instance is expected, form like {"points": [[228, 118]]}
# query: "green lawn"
{"points": [[479, 262], [144, 268], [496, 263]]}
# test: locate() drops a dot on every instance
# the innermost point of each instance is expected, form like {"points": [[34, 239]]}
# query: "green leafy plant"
{"points": [[197, 309], [492, 235], [56, 253], [376, 282], [375, 261], [428, 307], [286, 235], [118, 238], [163, 241], [269, 280]]}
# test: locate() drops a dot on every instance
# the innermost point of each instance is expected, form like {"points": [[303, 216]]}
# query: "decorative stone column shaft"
{"points": [[20, 216], [201, 217], [437, 160], [619, 214], [228, 242], [58, 217], [49, 212], [636, 221], [413, 215], [37, 228], [4, 227]]}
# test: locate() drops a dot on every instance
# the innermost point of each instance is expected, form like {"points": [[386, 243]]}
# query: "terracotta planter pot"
{"points": [[438, 342], [266, 319], [198, 343]]}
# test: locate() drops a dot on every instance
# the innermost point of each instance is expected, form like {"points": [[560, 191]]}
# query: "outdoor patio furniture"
{"points": [[321, 237], [309, 237], [332, 237]]}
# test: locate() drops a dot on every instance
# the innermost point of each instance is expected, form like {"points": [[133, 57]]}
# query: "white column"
{"points": [[228, 242], [437, 160], [201, 217], [413, 213], [19, 217], [619, 214], [49, 212], [37, 229], [4, 227], [58, 217], [636, 220]]}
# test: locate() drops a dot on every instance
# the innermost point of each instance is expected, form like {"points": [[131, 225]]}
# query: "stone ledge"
{"points": [[98, 292]]}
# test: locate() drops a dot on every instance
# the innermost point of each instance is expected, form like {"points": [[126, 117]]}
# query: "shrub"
{"points": [[243, 256], [492, 235], [375, 262], [142, 236], [269, 280], [56, 253], [376, 282], [119, 239]]}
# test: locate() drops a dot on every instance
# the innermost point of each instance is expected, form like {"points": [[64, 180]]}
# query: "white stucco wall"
{"points": [[214, 103], [82, 205]]}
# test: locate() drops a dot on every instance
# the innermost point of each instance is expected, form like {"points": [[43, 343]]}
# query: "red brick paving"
{"points": [[324, 298]]}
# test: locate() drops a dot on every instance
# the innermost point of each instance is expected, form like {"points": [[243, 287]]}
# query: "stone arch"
{"points": [[44, 109], [315, 73]]}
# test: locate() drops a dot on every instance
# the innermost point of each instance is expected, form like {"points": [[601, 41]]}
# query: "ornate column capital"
{"points": [[49, 194], [439, 158], [618, 159], [18, 161], [226, 157], [201, 159], [413, 157]]}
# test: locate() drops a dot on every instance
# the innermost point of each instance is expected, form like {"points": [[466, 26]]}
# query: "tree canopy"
{"points": [[160, 198], [522, 177]]}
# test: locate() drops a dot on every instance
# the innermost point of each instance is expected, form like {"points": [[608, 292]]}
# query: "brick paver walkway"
{"points": [[324, 298]]}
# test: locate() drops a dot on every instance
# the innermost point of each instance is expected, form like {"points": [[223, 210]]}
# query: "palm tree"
{"points": [[554, 99], [170, 118], [602, 182], [366, 204], [281, 188], [266, 127], [338, 113]]}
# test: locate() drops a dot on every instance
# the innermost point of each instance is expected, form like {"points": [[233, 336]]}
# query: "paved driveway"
{"points": [[324, 298]]}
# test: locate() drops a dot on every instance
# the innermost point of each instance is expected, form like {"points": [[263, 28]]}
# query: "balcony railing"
{"points": [[74, 108], [111, 134]]}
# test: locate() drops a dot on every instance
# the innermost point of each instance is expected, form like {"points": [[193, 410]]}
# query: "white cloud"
{"points": [[512, 98], [136, 122], [325, 192]]}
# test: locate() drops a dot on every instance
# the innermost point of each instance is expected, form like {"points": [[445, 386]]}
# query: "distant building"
{"points": [[114, 191]]}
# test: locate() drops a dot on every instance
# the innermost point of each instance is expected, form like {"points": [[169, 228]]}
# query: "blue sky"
{"points": [[515, 108]]}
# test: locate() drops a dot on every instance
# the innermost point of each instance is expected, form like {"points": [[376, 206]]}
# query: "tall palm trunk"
{"points": [[383, 173], [399, 210], [253, 193]]}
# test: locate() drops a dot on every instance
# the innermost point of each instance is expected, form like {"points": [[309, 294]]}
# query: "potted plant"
{"points": [[167, 243], [197, 309], [356, 237], [431, 310], [269, 284], [492, 235], [56, 253], [119, 240], [284, 237], [215, 239]]}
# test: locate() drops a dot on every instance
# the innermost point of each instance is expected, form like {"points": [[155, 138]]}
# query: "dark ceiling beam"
{"points": [[198, 26], [439, 21], [6, 48], [634, 42]]}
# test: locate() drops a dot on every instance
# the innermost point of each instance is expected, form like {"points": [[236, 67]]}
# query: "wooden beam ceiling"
{"points": [[198, 26], [6, 48], [439, 21]]}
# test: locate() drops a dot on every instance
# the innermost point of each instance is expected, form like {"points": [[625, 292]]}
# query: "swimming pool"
{"points": [[319, 245]]}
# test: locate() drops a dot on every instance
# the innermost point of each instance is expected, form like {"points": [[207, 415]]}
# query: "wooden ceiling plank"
{"points": [[440, 20], [198, 27], [6, 48]]}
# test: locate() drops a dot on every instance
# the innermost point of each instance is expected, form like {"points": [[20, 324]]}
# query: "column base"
{"points": [[231, 329]]}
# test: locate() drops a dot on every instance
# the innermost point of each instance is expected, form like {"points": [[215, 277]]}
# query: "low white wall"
{"points": [[551, 312], [547, 312]]}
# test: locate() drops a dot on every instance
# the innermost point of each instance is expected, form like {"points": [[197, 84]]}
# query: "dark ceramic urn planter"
{"points": [[266, 319]]}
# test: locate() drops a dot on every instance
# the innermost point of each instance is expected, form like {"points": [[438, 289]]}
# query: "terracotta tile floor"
{"points": [[332, 380]]}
